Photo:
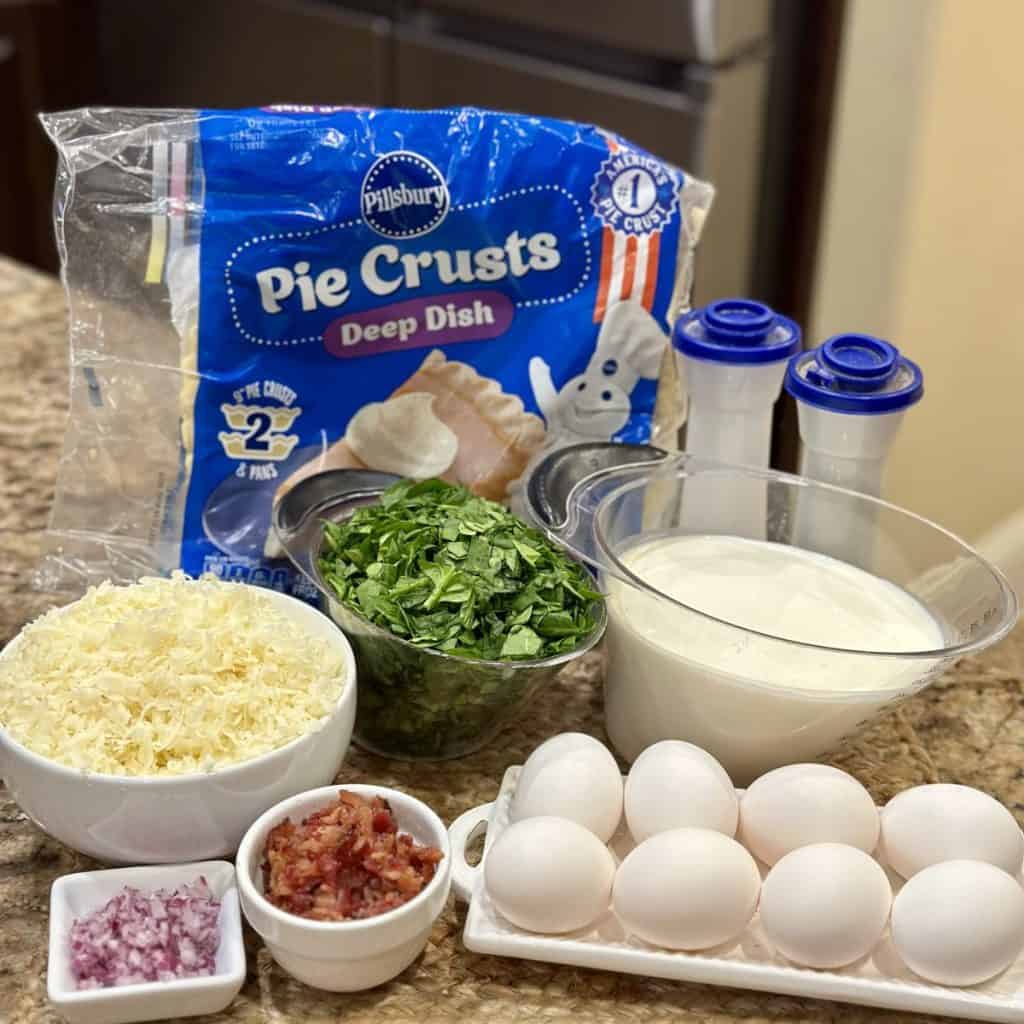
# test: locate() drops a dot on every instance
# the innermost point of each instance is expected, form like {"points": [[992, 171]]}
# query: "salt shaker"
{"points": [[732, 356], [852, 393]]}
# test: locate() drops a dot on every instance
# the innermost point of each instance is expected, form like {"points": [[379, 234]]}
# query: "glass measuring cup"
{"points": [[415, 703], [755, 700]]}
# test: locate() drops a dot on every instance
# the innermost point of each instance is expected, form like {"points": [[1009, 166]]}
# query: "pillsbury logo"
{"points": [[404, 195]]}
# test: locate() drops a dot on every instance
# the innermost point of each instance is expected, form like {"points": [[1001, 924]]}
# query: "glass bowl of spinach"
{"points": [[458, 613]]}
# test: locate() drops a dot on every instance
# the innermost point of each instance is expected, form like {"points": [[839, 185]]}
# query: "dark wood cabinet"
{"points": [[47, 61], [241, 53]]}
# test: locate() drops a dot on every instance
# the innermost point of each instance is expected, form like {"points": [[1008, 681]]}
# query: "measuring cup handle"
{"points": [[462, 832], [552, 480]]}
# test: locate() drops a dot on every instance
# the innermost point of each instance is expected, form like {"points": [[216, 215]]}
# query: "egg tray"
{"points": [[750, 962]]}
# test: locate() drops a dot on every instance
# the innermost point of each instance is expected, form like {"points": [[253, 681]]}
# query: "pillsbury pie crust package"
{"points": [[257, 295]]}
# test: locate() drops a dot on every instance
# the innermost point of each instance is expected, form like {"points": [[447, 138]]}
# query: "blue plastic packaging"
{"points": [[259, 294]]}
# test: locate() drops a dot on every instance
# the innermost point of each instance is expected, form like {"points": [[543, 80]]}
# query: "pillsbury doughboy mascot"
{"points": [[595, 405]]}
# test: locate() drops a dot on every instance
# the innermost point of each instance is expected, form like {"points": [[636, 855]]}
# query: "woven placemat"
{"points": [[967, 728]]}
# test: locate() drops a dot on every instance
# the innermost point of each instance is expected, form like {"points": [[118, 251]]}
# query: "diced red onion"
{"points": [[140, 937]]}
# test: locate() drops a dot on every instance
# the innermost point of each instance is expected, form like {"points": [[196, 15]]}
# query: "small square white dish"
{"points": [[880, 979], [74, 896]]}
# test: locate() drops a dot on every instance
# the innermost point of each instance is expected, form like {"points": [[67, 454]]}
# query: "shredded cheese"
{"points": [[165, 677]]}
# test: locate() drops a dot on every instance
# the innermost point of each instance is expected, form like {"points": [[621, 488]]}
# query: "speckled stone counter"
{"points": [[968, 728]]}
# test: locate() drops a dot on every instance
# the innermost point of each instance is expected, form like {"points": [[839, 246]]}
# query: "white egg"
{"points": [[825, 905], [960, 922], [555, 747], [929, 824], [801, 804], [689, 888], [549, 875], [674, 784], [571, 776]]}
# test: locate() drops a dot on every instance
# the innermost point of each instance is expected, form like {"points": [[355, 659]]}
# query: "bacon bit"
{"points": [[345, 862]]}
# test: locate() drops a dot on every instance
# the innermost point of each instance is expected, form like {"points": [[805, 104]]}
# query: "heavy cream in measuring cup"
{"points": [[754, 701]]}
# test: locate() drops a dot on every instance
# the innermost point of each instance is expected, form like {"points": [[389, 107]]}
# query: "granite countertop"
{"points": [[967, 728]]}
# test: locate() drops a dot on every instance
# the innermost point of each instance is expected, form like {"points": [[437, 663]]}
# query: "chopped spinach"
{"points": [[445, 569], [448, 571]]}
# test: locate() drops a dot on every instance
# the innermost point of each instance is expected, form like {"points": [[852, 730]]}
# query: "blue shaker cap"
{"points": [[736, 331], [855, 373]]}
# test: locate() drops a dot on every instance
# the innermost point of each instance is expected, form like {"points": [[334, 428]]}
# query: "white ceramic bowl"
{"points": [[345, 956], [175, 818], [75, 896]]}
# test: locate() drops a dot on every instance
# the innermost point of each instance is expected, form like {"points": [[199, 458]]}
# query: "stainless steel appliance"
{"points": [[686, 79]]}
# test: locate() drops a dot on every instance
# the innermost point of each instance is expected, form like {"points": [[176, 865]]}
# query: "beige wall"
{"points": [[923, 239]]}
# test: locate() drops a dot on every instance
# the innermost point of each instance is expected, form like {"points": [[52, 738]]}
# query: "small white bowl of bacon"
{"points": [[344, 884], [138, 944]]}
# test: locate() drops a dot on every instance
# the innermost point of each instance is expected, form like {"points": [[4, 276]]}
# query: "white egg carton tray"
{"points": [[750, 962]]}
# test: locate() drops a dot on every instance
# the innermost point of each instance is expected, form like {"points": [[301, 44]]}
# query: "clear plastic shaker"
{"points": [[852, 393], [732, 356]]}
